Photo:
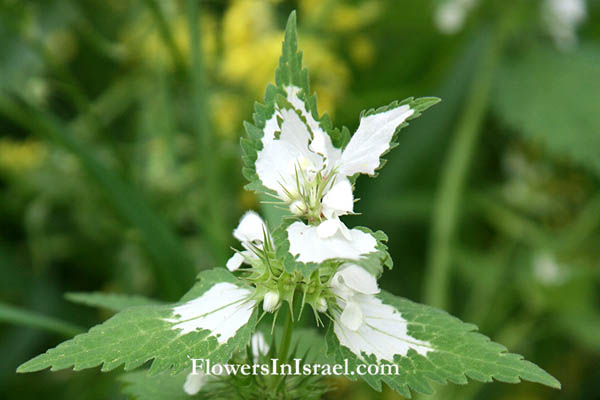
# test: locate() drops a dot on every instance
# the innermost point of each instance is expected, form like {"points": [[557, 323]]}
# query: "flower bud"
{"points": [[321, 304], [271, 301], [298, 208]]}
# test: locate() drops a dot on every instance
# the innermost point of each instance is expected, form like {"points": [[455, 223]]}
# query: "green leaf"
{"points": [[457, 352], [110, 301], [139, 334], [551, 98]]}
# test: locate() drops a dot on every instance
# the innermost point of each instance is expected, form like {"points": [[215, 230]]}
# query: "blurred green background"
{"points": [[120, 165]]}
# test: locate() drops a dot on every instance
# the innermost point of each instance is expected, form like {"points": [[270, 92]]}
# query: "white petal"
{"points": [[371, 140], [352, 316], [383, 333], [357, 279], [306, 243], [223, 310], [251, 228], [271, 301], [339, 198], [234, 262], [277, 155], [327, 228], [321, 142], [259, 345], [193, 383]]}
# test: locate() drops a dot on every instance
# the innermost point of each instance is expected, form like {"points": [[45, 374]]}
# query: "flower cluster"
{"points": [[312, 258]]}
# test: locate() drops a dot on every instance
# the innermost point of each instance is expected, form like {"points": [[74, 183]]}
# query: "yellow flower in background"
{"points": [[339, 16], [252, 46], [246, 22], [20, 156], [143, 40], [362, 51]]}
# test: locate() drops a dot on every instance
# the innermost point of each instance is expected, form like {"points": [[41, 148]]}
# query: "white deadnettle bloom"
{"points": [[260, 347], [194, 382], [547, 270], [309, 246], [303, 167], [366, 325], [450, 15], [321, 305], [562, 18], [223, 310], [348, 284], [250, 232], [271, 301]]}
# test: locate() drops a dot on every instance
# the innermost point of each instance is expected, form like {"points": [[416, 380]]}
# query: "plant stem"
{"points": [[454, 171], [15, 315], [286, 338]]}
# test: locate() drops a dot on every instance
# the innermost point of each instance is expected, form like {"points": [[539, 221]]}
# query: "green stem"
{"points": [[454, 171], [27, 318], [286, 338], [213, 222]]}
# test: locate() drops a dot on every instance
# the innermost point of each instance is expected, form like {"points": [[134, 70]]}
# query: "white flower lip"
{"points": [[354, 278], [251, 228], [309, 246], [223, 310], [382, 333], [251, 233]]}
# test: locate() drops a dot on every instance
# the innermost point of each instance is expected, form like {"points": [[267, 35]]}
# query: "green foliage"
{"points": [[138, 334], [458, 352], [552, 100]]}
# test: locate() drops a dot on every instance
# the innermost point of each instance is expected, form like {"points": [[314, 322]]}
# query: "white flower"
{"points": [[547, 270], [450, 15], [223, 310], [260, 347], [382, 331], [251, 233], [562, 17], [194, 382], [348, 284], [309, 246], [321, 305], [271, 301], [365, 324], [299, 162]]}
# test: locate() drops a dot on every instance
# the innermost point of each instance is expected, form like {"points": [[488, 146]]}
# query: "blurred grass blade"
{"points": [[109, 301], [15, 315], [456, 166], [165, 32], [212, 221], [173, 270]]}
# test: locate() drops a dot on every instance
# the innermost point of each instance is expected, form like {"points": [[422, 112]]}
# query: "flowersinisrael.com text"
{"points": [[204, 366]]}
